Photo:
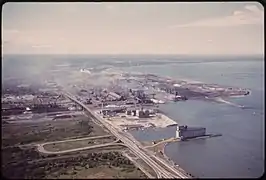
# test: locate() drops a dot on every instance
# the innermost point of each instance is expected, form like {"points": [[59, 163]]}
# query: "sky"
{"points": [[133, 28]]}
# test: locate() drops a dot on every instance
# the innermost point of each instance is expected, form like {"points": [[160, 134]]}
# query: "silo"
{"points": [[141, 114], [134, 112], [147, 113], [137, 112], [128, 112]]}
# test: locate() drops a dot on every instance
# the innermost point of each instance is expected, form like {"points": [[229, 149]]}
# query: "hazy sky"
{"points": [[133, 28]]}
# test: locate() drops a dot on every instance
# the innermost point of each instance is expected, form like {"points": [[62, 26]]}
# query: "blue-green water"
{"points": [[239, 152]]}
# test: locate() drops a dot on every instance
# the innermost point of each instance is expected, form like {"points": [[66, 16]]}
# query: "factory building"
{"points": [[142, 112], [111, 96], [185, 132], [114, 95], [112, 110]]}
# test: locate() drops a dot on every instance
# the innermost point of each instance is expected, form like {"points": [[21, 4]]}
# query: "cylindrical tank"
{"points": [[147, 113], [141, 114], [134, 112]]}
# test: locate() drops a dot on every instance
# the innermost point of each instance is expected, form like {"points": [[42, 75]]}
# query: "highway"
{"points": [[138, 165], [136, 149], [180, 174]]}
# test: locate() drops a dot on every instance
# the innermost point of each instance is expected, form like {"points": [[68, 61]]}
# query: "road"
{"points": [[162, 142], [42, 150], [78, 139], [136, 149]]}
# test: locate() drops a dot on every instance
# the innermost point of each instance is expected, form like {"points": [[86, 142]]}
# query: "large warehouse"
{"points": [[185, 132]]}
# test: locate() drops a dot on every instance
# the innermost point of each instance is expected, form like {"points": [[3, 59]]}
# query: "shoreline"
{"points": [[172, 161], [167, 158]]}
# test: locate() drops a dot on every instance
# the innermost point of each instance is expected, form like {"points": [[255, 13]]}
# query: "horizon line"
{"points": [[144, 54]]}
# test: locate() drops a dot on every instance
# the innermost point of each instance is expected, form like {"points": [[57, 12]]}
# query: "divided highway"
{"points": [[136, 149]]}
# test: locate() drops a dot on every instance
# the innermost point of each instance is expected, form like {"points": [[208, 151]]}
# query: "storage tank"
{"points": [[147, 113], [141, 114], [128, 112], [137, 112], [134, 112]]}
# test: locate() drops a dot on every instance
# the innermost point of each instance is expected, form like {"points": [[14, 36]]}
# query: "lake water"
{"points": [[239, 152]]}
